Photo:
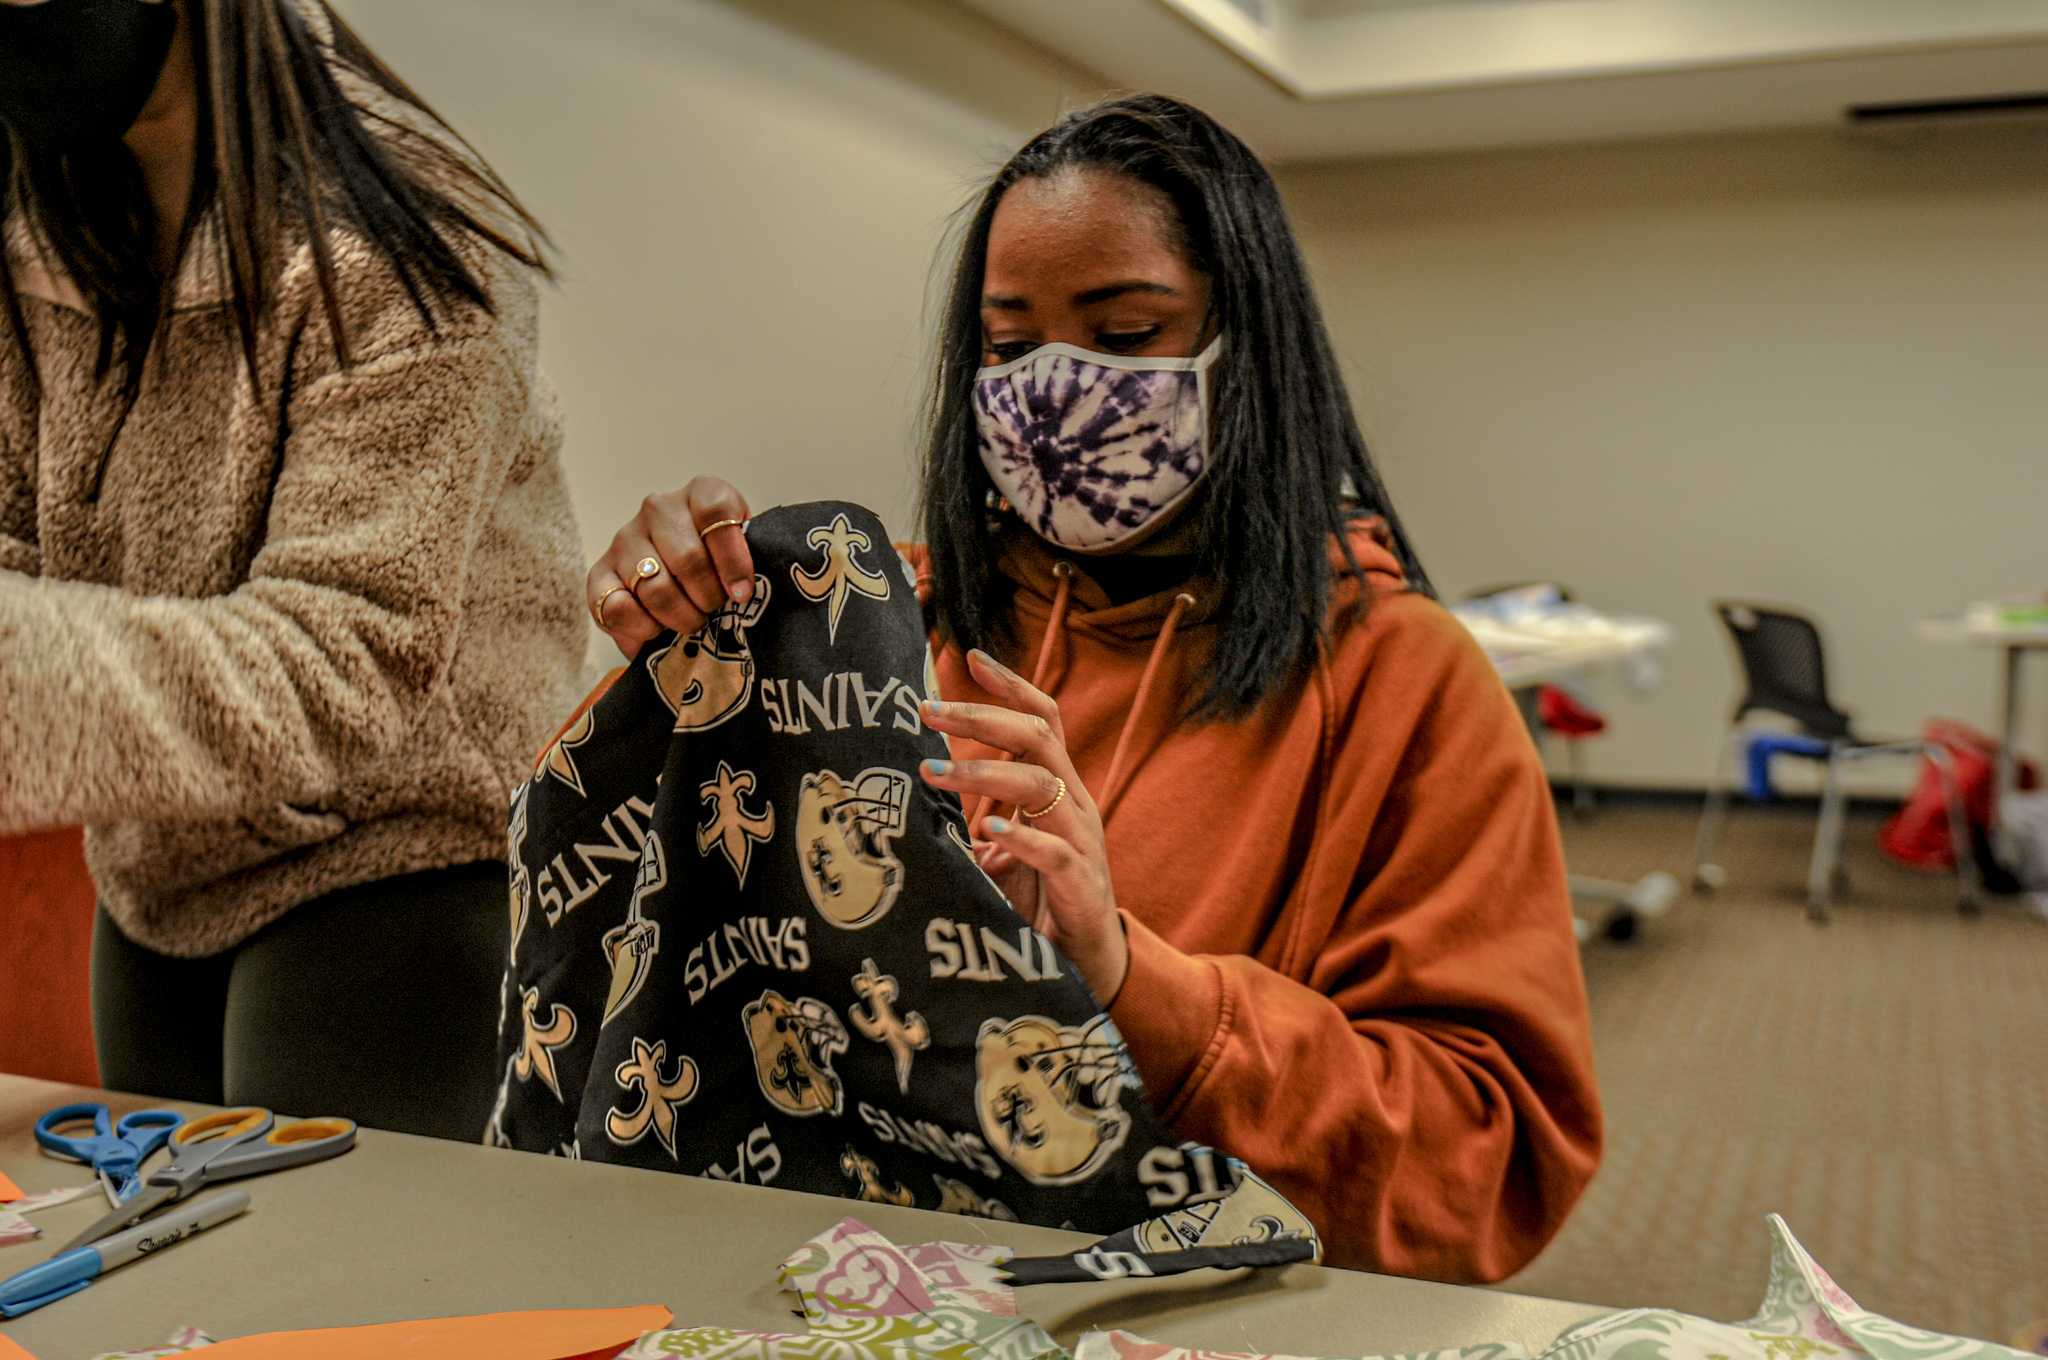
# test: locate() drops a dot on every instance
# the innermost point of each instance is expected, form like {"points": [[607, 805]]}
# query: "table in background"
{"points": [[1577, 643], [405, 1227], [1982, 628], [1526, 658]]}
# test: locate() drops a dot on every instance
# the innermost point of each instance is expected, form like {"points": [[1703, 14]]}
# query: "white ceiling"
{"points": [[1324, 79]]}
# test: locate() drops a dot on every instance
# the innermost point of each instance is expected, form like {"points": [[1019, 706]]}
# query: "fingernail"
{"points": [[742, 591], [934, 708], [941, 768], [988, 660], [997, 825]]}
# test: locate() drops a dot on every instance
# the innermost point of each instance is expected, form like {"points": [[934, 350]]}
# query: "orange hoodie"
{"points": [[1352, 958]]}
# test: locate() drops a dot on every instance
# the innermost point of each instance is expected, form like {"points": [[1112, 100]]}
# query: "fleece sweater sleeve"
{"points": [[18, 552], [1419, 1080], [116, 704]]}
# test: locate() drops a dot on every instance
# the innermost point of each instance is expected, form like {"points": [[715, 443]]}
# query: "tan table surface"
{"points": [[404, 1227]]}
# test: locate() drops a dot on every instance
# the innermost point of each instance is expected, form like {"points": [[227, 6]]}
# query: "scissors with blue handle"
{"points": [[224, 1146], [114, 1151]]}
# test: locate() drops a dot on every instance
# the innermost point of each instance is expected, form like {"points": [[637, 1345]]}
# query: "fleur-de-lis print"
{"points": [[560, 761], [538, 1040], [660, 1095], [730, 827], [904, 1034], [841, 574]]}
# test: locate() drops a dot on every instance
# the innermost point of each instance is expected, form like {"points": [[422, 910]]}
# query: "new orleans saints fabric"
{"points": [[748, 942]]}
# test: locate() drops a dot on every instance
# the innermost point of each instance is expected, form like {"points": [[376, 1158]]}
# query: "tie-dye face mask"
{"points": [[1093, 449]]}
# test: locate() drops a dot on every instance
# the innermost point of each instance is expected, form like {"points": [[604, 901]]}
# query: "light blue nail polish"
{"points": [[938, 767], [997, 825]]}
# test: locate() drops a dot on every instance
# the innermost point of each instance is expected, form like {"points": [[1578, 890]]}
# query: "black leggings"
{"points": [[378, 1003]]}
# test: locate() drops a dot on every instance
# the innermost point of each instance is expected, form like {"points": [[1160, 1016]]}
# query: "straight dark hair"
{"points": [[1289, 469], [283, 150]]}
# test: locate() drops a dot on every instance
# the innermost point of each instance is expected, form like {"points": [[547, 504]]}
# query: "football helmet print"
{"points": [[844, 842], [794, 1044], [519, 896], [708, 676], [1048, 1096], [1251, 1213], [630, 946]]}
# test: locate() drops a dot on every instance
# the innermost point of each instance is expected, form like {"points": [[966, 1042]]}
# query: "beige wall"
{"points": [[747, 197], [1807, 368]]}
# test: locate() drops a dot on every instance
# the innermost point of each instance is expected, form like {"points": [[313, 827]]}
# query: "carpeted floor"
{"points": [[1882, 1082]]}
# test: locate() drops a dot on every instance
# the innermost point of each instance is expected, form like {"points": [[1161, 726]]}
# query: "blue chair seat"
{"points": [[1764, 745]]}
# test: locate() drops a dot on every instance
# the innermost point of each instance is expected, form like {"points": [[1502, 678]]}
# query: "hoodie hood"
{"points": [[1075, 635], [1036, 569]]}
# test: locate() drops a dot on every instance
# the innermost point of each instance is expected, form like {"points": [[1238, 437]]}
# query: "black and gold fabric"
{"points": [[749, 942]]}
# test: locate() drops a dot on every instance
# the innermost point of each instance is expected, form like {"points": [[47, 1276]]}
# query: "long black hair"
{"points": [[1288, 469], [284, 151]]}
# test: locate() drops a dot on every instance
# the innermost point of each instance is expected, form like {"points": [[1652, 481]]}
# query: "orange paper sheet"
{"points": [[559, 1334], [10, 1350], [9, 1192]]}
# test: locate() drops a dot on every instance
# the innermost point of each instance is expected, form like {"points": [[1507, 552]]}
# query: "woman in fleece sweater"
{"points": [[287, 567], [1265, 794]]}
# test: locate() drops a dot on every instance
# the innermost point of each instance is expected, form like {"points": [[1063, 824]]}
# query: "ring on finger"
{"points": [[1059, 796], [645, 570], [597, 610], [711, 529]]}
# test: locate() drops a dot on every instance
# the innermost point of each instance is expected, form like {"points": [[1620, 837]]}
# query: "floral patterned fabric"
{"points": [[866, 1299]]}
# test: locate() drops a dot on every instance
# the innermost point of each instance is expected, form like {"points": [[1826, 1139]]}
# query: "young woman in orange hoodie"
{"points": [[1269, 798]]}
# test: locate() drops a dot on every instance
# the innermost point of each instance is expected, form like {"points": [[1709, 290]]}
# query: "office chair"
{"points": [[1785, 672]]}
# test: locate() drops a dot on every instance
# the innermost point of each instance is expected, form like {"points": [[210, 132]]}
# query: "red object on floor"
{"points": [[1566, 716], [46, 900], [1917, 835]]}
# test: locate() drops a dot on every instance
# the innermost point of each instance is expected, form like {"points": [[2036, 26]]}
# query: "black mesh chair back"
{"points": [[1783, 667]]}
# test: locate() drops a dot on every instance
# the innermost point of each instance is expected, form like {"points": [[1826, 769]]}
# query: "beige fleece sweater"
{"points": [[312, 628]]}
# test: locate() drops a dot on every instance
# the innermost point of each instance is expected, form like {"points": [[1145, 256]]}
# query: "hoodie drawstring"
{"points": [[1119, 774], [1121, 767], [1055, 630], [1056, 625]]}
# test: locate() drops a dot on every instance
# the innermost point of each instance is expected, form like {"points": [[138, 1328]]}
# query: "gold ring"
{"points": [[1059, 796], [597, 610], [711, 529]]}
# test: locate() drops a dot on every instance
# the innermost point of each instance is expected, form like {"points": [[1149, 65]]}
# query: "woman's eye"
{"points": [[1122, 342], [1007, 350]]}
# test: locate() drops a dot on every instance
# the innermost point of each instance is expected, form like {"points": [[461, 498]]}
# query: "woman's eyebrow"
{"points": [[1006, 302], [1115, 290]]}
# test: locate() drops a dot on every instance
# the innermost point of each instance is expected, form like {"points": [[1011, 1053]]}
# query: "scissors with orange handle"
{"points": [[219, 1147]]}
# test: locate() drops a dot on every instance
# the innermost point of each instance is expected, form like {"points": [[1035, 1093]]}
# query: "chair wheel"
{"points": [[1817, 913], [1968, 905], [1621, 927], [1708, 877]]}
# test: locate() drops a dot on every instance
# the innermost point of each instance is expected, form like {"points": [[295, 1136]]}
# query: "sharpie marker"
{"points": [[64, 1275]]}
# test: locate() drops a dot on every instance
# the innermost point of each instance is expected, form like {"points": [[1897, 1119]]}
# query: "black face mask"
{"points": [[74, 72]]}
